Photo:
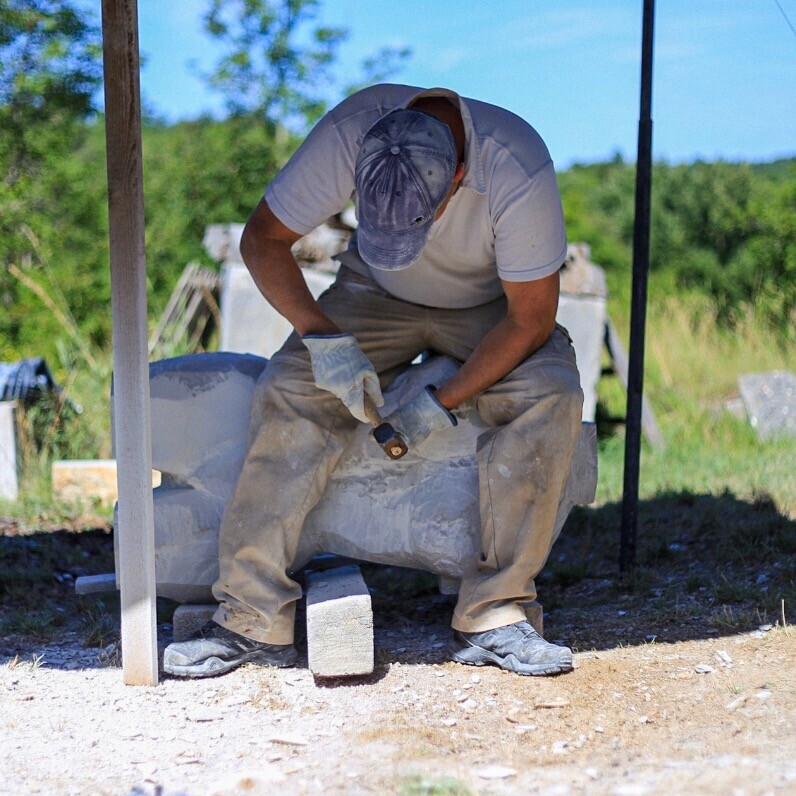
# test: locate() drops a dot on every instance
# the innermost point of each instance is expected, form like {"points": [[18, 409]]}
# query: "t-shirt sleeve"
{"points": [[530, 240], [316, 182]]}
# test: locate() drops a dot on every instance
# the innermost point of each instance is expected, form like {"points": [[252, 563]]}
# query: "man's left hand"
{"points": [[417, 418]]}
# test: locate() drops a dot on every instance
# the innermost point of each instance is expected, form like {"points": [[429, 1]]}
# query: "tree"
{"points": [[49, 73], [269, 71]]}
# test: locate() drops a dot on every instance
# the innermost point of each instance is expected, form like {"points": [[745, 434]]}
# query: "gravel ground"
{"points": [[698, 716]]}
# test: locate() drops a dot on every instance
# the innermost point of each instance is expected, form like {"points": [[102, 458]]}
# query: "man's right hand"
{"points": [[340, 367]]}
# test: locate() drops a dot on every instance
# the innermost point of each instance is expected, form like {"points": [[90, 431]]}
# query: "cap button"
{"points": [[395, 150]]}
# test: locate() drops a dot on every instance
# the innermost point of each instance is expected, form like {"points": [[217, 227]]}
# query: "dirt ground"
{"points": [[703, 716], [677, 688]]}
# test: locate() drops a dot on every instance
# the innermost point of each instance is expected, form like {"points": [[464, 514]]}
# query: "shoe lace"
{"points": [[526, 631]]}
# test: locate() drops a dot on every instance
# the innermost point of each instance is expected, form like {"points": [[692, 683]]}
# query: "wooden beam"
{"points": [[130, 361]]}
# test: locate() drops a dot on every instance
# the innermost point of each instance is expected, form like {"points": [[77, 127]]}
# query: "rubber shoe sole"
{"points": [[477, 656], [212, 666]]}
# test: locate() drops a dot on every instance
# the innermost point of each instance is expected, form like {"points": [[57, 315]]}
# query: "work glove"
{"points": [[340, 367], [417, 418]]}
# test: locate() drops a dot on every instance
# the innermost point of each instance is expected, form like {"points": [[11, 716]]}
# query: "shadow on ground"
{"points": [[707, 565]]}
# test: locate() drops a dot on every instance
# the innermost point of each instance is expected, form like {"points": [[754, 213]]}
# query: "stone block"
{"points": [[535, 615], [199, 407], [770, 400], [339, 623], [249, 324], [189, 618], [9, 481], [420, 512], [88, 480], [95, 584], [222, 242], [584, 319]]}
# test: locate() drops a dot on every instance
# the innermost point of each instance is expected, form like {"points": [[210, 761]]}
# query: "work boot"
{"points": [[216, 650], [518, 648]]}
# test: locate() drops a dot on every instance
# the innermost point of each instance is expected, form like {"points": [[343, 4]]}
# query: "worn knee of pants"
{"points": [[283, 477], [524, 457]]}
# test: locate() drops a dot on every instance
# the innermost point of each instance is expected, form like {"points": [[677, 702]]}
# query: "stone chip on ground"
{"points": [[289, 739], [495, 772], [551, 704]]}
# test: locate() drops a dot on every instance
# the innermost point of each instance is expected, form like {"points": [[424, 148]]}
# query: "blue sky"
{"points": [[724, 81]]}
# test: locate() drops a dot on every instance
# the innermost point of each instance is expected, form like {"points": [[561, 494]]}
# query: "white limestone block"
{"points": [[200, 414], [584, 319], [420, 512], [249, 324], [222, 242], [9, 482], [189, 618], [95, 584], [339, 623]]}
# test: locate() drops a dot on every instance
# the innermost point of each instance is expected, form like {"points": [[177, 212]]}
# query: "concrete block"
{"points": [[88, 480], [9, 482], [189, 618], [339, 623], [535, 615]]}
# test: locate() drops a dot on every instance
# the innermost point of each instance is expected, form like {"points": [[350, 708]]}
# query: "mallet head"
{"points": [[390, 440]]}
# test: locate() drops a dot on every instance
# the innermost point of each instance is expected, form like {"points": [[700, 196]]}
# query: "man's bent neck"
{"points": [[444, 110]]}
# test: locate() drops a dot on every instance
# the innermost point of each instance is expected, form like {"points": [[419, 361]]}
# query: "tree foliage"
{"points": [[49, 72], [276, 65], [724, 229]]}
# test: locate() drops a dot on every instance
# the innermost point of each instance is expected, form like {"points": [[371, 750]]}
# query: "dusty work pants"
{"points": [[298, 432]]}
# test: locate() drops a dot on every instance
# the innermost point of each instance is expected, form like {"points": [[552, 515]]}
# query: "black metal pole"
{"points": [[638, 301]]}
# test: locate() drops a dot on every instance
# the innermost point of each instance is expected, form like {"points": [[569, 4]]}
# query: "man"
{"points": [[458, 249]]}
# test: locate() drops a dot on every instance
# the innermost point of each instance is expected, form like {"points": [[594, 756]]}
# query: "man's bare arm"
{"points": [[528, 323], [265, 246]]}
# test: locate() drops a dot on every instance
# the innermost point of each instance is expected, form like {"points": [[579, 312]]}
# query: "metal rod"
{"points": [[132, 441], [638, 301]]}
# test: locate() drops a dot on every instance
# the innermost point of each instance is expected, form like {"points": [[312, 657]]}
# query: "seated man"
{"points": [[459, 245]]}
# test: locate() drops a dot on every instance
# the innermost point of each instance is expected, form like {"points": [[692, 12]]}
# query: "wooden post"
{"points": [[130, 360]]}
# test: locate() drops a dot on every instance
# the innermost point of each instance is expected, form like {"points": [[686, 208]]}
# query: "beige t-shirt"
{"points": [[505, 221]]}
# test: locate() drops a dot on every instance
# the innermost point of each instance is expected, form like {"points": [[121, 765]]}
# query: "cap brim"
{"points": [[391, 251]]}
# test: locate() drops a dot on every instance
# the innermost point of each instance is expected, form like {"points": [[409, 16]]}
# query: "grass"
{"points": [[38, 568], [691, 369]]}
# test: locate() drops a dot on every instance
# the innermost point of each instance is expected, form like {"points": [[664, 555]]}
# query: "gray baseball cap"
{"points": [[404, 170]]}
